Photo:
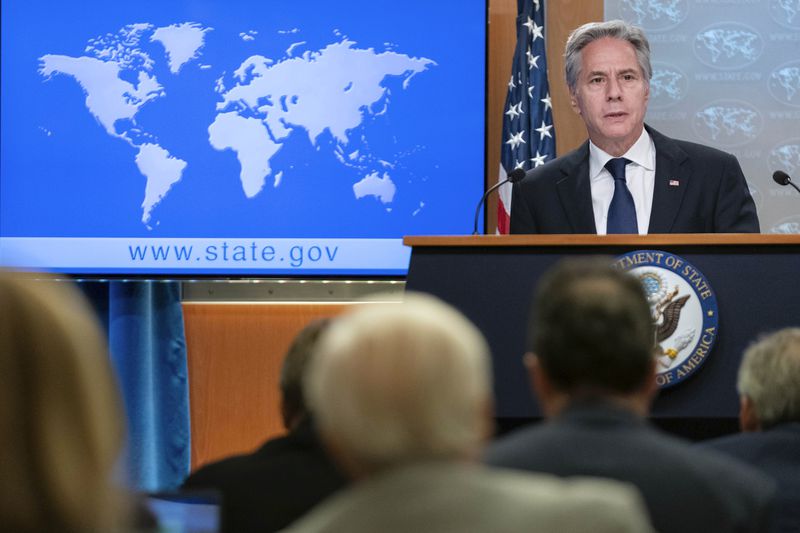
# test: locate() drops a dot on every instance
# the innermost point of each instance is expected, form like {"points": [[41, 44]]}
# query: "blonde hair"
{"points": [[60, 415], [402, 382]]}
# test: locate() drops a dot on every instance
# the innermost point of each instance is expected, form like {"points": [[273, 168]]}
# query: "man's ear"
{"points": [[540, 383], [531, 363], [573, 101], [748, 418], [650, 387]]}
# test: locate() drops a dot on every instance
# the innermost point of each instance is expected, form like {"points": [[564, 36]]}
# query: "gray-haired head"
{"points": [[592, 31], [770, 377], [396, 383]]}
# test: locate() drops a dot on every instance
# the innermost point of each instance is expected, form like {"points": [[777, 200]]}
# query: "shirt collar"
{"points": [[642, 153]]}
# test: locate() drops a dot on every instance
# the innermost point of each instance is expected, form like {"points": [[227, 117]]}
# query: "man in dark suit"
{"points": [[592, 365], [769, 392], [273, 486], [627, 178]]}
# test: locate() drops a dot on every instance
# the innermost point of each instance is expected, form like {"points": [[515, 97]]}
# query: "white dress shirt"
{"points": [[640, 175]]}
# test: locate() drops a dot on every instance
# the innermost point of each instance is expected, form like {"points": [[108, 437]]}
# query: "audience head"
{"points": [[397, 383], [591, 333], [298, 357], [769, 381], [60, 415], [581, 37]]}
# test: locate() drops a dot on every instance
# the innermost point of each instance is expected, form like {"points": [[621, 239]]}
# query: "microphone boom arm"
{"points": [[515, 175]]}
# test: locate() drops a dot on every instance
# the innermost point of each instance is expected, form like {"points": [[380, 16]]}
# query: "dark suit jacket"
{"points": [[272, 487], [711, 195], [686, 490], [776, 452]]}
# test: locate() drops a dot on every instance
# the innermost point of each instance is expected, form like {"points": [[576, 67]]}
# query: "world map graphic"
{"points": [[323, 94]]}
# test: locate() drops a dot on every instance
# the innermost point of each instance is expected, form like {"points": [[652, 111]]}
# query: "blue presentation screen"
{"points": [[238, 138]]}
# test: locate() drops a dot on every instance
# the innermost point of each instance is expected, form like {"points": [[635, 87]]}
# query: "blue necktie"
{"points": [[622, 211]]}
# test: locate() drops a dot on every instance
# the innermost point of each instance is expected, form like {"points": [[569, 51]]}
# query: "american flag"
{"points": [[529, 139]]}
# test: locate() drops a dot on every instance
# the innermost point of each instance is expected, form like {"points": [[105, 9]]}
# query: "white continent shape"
{"points": [[161, 170], [182, 43], [108, 97], [248, 137], [382, 188]]}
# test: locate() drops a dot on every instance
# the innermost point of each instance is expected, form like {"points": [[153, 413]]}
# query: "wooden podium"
{"points": [[491, 278]]}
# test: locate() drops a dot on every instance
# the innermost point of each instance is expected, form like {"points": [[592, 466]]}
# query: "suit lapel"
{"points": [[673, 172], [575, 192]]}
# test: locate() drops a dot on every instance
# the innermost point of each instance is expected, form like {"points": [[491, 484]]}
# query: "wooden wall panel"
{"points": [[235, 352], [502, 40]]}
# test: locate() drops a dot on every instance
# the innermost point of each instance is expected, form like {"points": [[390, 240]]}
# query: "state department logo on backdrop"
{"points": [[784, 83], [786, 13], [785, 156], [728, 45], [668, 86], [683, 307], [728, 123], [654, 15]]}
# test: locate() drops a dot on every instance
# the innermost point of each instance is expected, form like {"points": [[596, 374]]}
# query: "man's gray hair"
{"points": [[592, 31], [770, 376], [393, 383]]}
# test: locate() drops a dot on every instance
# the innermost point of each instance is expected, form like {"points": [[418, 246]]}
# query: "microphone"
{"points": [[516, 175], [782, 178]]}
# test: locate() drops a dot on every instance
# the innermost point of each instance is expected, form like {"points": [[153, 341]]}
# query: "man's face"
{"points": [[611, 94]]}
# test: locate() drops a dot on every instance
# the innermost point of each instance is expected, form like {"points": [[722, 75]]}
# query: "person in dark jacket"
{"points": [[627, 177], [273, 486], [593, 368], [769, 397]]}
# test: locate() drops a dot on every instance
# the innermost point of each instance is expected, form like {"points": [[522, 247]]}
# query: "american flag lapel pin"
{"points": [[674, 183]]}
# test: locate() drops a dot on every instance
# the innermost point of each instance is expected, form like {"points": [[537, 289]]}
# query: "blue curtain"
{"points": [[144, 322]]}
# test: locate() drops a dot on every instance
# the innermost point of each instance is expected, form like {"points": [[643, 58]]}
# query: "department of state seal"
{"points": [[684, 310]]}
